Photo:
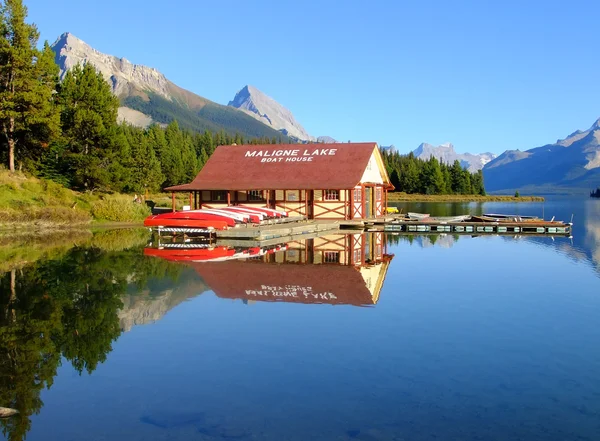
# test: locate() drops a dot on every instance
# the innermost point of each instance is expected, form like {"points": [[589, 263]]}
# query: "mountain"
{"points": [[160, 296], [326, 140], [265, 109], [570, 164], [446, 153], [147, 96]]}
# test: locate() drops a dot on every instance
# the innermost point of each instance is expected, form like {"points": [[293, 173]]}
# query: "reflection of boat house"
{"points": [[319, 181], [341, 269]]}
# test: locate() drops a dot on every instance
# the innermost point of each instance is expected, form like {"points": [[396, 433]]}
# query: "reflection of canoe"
{"points": [[191, 254], [417, 215]]}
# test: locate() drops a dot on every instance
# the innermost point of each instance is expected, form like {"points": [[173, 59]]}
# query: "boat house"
{"points": [[347, 269], [318, 181]]}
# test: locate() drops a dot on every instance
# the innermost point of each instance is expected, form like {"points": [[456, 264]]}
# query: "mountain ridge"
{"points": [[572, 162], [146, 90], [447, 154]]}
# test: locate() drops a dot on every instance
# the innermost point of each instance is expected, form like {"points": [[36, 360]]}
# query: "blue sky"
{"points": [[484, 75]]}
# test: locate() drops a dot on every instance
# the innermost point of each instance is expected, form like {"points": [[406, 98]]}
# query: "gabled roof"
{"points": [[285, 167]]}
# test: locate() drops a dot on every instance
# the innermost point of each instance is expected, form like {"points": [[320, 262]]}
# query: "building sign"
{"points": [[289, 155], [304, 293]]}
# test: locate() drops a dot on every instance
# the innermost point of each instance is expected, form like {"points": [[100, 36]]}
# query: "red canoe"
{"points": [[157, 221]]}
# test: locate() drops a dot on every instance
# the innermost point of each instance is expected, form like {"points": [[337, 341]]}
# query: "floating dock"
{"points": [[399, 224], [294, 227]]}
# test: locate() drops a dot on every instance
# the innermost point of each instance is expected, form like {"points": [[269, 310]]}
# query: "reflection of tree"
{"points": [[423, 240], [64, 307]]}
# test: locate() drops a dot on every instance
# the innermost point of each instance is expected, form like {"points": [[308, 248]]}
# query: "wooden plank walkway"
{"points": [[266, 232], [395, 224]]}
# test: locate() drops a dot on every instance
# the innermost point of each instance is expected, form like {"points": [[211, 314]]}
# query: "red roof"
{"points": [[283, 167], [295, 283]]}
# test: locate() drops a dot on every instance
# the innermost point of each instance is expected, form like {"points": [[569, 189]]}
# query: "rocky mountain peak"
{"points": [[262, 107], [446, 153], [119, 72]]}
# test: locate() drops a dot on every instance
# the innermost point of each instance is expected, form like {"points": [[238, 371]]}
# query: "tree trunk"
{"points": [[11, 144], [13, 295]]}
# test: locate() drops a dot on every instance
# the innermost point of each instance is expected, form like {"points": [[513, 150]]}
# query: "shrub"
{"points": [[121, 209]]}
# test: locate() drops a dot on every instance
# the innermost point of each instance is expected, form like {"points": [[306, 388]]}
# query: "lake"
{"points": [[345, 337]]}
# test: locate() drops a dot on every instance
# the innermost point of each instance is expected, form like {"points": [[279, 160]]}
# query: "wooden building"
{"points": [[318, 181], [337, 270]]}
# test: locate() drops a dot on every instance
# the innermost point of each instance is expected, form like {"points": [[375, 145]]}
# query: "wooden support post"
{"points": [[228, 198], [200, 199], [363, 201], [385, 208], [173, 200], [191, 200]]}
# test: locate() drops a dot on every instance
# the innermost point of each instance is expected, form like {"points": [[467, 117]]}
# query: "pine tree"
{"points": [[143, 167], [88, 120], [28, 116]]}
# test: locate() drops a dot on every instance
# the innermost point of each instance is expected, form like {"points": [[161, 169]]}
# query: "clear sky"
{"points": [[484, 75]]}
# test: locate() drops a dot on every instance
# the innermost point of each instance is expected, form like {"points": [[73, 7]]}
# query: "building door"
{"points": [[310, 204], [369, 202]]}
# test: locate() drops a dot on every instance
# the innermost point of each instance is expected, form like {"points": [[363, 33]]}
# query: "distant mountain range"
{"points": [[147, 96], [568, 165], [446, 153]]}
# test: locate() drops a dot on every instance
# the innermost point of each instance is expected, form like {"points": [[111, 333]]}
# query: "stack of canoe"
{"points": [[214, 218]]}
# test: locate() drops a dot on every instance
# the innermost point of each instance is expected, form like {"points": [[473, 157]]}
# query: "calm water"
{"points": [[362, 337]]}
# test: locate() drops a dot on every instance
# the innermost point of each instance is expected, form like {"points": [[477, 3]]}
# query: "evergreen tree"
{"points": [[171, 158], [88, 119], [28, 116], [144, 171]]}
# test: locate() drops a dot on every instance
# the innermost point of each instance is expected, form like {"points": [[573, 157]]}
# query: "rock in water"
{"points": [[6, 412]]}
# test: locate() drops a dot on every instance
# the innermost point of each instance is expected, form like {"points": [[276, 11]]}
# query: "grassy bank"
{"points": [[26, 201], [404, 197], [21, 248]]}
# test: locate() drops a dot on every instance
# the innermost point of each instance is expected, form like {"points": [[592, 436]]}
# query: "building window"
{"points": [[378, 193], [331, 195], [255, 195], [292, 195], [331, 257], [357, 195], [357, 259], [218, 195]]}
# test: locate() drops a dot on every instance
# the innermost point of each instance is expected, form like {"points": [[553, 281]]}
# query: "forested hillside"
{"points": [[412, 175]]}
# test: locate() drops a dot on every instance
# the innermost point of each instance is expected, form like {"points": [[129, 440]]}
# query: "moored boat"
{"points": [[214, 224], [196, 215], [446, 219], [268, 211], [254, 216], [417, 216]]}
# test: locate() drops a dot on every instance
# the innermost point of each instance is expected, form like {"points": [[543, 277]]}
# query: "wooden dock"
{"points": [[399, 225], [292, 228], [267, 232]]}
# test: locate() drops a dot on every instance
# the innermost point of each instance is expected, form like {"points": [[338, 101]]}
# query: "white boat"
{"points": [[417, 215]]}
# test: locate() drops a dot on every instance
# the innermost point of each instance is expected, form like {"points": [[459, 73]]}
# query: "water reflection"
{"points": [[338, 270], [583, 246], [66, 306]]}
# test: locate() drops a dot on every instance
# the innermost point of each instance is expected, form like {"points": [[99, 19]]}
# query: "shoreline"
{"points": [[405, 197]]}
